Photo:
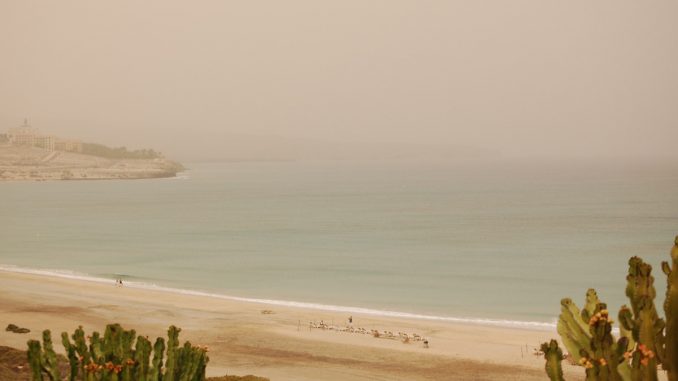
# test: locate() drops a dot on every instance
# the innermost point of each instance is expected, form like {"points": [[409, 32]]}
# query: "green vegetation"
{"points": [[646, 341], [118, 153], [13, 367], [116, 357]]}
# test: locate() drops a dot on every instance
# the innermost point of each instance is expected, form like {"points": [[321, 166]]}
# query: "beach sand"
{"points": [[278, 345]]}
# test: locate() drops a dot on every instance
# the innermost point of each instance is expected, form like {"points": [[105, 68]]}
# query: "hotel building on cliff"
{"points": [[27, 136]]}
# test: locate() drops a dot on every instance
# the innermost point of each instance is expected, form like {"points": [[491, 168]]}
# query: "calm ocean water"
{"points": [[493, 242]]}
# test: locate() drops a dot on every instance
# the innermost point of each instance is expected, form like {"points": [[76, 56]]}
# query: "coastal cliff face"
{"points": [[31, 163]]}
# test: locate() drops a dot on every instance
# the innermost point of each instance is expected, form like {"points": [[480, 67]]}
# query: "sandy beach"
{"points": [[279, 343]]}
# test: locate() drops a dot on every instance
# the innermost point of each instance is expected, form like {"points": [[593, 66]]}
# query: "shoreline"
{"points": [[483, 322], [20, 163], [37, 180], [275, 341]]}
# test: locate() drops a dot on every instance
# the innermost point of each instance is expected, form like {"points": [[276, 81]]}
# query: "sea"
{"points": [[493, 243]]}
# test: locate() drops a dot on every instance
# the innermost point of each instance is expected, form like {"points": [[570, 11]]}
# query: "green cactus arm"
{"points": [[142, 357], [607, 354], [670, 352], [647, 327], [590, 305], [202, 365], [193, 362], [34, 358], [97, 348], [553, 356], [49, 358], [155, 373], [624, 370], [127, 355], [72, 356], [627, 325], [186, 362], [172, 353], [574, 332], [81, 348]]}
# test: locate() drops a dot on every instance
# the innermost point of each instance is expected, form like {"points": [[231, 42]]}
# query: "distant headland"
{"points": [[26, 154]]}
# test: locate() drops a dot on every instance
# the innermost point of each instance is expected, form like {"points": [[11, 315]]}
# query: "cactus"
{"points": [[554, 357], [119, 356], [646, 340], [670, 355]]}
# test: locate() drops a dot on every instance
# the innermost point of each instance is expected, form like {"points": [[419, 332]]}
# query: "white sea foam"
{"points": [[179, 176], [533, 325]]}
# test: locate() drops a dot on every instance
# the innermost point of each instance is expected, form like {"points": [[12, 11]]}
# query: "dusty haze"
{"points": [[318, 79]]}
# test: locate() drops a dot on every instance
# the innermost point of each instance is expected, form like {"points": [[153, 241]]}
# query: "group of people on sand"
{"points": [[404, 337], [118, 282]]}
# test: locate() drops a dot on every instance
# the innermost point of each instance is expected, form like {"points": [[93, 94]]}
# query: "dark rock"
{"points": [[14, 328]]}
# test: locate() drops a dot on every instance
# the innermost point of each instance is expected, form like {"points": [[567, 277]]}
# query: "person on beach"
{"points": [[350, 320]]}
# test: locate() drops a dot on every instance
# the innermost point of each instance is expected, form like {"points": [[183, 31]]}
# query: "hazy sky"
{"points": [[285, 79]]}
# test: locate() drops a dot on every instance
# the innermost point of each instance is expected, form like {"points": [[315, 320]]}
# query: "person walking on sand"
{"points": [[350, 320]]}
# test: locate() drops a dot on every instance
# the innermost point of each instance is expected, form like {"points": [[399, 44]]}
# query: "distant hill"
{"points": [[118, 153]]}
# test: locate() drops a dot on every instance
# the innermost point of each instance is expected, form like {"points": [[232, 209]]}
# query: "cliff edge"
{"points": [[32, 163]]}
